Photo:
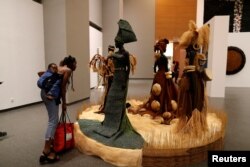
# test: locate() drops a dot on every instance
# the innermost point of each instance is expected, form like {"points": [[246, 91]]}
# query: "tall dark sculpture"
{"points": [[163, 93], [116, 129], [163, 78], [192, 103]]}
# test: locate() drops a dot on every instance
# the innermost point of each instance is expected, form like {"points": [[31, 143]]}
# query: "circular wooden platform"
{"points": [[163, 145], [180, 157]]}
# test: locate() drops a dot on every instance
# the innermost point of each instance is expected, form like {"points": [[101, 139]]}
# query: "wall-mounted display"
{"points": [[236, 60], [238, 10]]}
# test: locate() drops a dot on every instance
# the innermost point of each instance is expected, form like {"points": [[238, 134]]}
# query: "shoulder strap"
{"points": [[63, 117]]}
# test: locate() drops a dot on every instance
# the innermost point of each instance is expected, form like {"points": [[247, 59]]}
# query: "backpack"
{"points": [[47, 80]]}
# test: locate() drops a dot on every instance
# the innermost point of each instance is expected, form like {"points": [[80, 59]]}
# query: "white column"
{"points": [[217, 55], [200, 13]]}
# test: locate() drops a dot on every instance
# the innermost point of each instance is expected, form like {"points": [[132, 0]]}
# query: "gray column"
{"points": [[112, 12], [141, 16], [66, 24]]}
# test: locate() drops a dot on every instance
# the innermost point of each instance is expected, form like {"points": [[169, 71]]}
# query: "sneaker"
{"points": [[3, 134]]}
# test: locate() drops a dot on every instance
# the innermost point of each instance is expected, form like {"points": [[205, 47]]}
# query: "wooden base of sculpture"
{"points": [[163, 145]]}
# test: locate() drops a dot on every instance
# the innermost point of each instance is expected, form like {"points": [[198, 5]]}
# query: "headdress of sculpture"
{"points": [[197, 37], [125, 33]]}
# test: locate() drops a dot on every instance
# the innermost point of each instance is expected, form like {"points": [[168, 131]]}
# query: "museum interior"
{"points": [[160, 83]]}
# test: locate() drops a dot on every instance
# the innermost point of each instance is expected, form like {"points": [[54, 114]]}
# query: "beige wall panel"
{"points": [[172, 17], [141, 16], [77, 37]]}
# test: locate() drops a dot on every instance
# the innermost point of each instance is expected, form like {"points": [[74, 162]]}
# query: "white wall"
{"points": [[217, 55], [241, 79], [199, 12], [95, 36], [22, 52], [95, 42]]}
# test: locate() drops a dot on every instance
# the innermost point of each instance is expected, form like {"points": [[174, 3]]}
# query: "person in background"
{"points": [[176, 71], [66, 68], [65, 71], [50, 81]]}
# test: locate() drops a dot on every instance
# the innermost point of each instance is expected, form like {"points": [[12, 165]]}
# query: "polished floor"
{"points": [[26, 126]]}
